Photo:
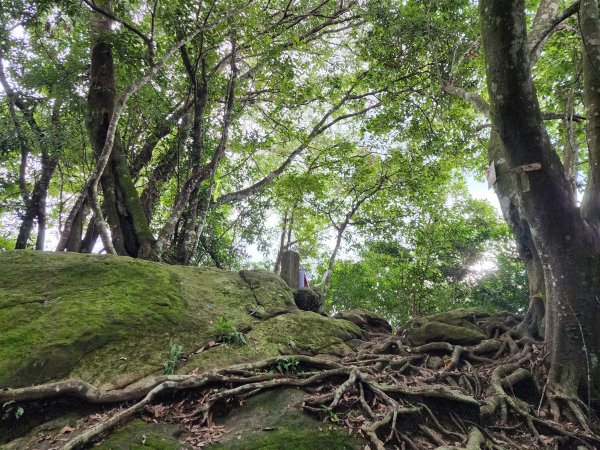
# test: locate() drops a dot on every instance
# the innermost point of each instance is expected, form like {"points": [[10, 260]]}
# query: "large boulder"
{"points": [[112, 320]]}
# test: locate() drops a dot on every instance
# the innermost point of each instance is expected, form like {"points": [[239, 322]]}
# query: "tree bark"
{"points": [[569, 249], [129, 229], [284, 224], [332, 258], [164, 169], [36, 206], [588, 15], [545, 23]]}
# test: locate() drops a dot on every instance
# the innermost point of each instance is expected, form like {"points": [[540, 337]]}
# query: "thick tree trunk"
{"points": [[569, 249], [129, 229], [590, 205], [506, 189]]}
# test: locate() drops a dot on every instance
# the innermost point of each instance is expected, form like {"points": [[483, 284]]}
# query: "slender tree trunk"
{"points": [[569, 249], [200, 174], [187, 237], [206, 201], [211, 251], [91, 236], [571, 147], [164, 170], [338, 244], [36, 206]]}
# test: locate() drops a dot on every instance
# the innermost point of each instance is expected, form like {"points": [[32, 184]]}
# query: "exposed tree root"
{"points": [[492, 395]]}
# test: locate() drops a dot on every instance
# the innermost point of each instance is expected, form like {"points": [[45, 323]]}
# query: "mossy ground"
{"points": [[455, 327], [139, 435], [273, 420]]}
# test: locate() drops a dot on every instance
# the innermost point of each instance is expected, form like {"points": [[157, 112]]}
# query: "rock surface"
{"points": [[308, 300], [111, 321], [462, 327], [273, 420], [366, 320]]}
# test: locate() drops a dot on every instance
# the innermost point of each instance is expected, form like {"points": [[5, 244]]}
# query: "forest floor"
{"points": [[445, 395]]}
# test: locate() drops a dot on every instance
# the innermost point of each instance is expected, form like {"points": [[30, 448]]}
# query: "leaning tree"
{"points": [[563, 233]]}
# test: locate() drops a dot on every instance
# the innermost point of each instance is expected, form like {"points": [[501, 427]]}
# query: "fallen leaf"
{"points": [[66, 429]]}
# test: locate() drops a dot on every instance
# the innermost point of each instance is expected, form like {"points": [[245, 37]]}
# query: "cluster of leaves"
{"points": [[11, 410], [376, 182], [287, 364], [433, 265]]}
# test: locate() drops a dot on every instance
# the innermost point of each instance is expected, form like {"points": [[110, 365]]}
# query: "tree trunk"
{"points": [[129, 229], [277, 267], [187, 237], [199, 174], [569, 249], [590, 205], [332, 258]]}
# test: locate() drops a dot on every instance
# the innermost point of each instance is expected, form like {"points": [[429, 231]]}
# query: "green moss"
{"points": [[57, 308], [287, 438], [456, 327], [274, 420], [111, 320], [138, 435], [100, 317], [270, 291], [442, 332], [308, 330]]}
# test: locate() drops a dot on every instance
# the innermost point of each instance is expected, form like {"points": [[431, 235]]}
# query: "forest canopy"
{"points": [[226, 132], [222, 133]]}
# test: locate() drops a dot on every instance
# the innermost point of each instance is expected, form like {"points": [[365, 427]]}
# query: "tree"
{"points": [[565, 236], [425, 265]]}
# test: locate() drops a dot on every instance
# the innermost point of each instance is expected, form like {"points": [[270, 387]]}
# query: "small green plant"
{"points": [[291, 344], [174, 355], [258, 311], [228, 333], [11, 410], [286, 364], [330, 414]]}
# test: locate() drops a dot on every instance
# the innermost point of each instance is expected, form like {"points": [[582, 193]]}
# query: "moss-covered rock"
{"points": [[111, 320], [270, 291], [366, 320], [273, 420], [461, 326], [139, 435]]}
